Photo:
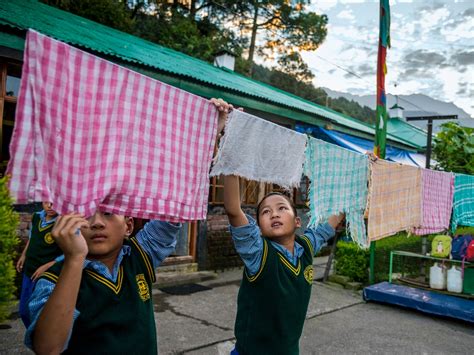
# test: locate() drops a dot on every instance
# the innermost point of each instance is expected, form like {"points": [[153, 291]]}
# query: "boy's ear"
{"points": [[130, 225], [298, 222]]}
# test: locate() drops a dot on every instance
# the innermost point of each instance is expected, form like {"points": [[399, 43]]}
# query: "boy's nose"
{"points": [[96, 221]]}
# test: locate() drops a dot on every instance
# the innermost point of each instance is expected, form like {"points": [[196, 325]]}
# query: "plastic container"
{"points": [[454, 280], [438, 277]]}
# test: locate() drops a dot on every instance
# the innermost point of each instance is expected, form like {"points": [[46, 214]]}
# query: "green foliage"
{"points": [[112, 13], [8, 241], [352, 109], [463, 230], [454, 148], [352, 261], [281, 26]]}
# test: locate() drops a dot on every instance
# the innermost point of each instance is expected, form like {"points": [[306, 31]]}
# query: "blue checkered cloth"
{"points": [[338, 183], [463, 205]]}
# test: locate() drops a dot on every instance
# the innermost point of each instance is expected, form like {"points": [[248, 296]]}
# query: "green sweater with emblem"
{"points": [[272, 304], [42, 248], [114, 317]]}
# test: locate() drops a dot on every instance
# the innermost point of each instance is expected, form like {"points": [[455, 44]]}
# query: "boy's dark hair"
{"points": [[276, 193]]}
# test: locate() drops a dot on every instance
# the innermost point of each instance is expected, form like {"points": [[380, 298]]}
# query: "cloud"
{"points": [[346, 15], [422, 61], [463, 58]]}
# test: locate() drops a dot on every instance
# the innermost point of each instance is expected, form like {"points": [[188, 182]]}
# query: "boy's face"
{"points": [[106, 233], [48, 208], [276, 218]]}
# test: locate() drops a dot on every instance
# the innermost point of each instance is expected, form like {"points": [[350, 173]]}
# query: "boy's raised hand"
{"points": [[67, 234], [224, 108], [336, 219]]}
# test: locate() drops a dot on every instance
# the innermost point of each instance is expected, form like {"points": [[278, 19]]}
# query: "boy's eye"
{"points": [[265, 211], [107, 214], [283, 208]]}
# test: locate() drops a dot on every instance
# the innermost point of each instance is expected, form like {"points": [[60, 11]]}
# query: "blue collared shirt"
{"points": [[158, 240], [249, 244], [43, 221]]}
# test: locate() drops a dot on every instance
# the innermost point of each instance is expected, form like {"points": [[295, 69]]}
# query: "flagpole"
{"points": [[381, 108]]}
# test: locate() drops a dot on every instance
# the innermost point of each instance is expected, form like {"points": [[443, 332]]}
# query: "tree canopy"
{"points": [[454, 148], [275, 29]]}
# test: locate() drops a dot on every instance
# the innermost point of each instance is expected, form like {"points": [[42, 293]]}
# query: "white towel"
{"points": [[261, 151]]}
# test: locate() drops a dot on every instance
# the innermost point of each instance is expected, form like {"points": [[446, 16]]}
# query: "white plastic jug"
{"points": [[454, 280], [438, 277]]}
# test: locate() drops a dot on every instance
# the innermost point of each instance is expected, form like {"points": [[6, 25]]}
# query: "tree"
{"points": [[286, 26], [454, 148]]}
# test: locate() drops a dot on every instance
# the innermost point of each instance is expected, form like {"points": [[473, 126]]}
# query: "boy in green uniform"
{"points": [[276, 286], [99, 298], [38, 255]]}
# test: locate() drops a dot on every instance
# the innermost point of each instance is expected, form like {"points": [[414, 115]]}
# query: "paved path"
{"points": [[338, 322]]}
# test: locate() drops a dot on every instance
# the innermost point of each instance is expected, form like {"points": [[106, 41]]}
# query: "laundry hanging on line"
{"points": [[437, 201], [463, 204], [338, 183], [260, 150], [394, 202], [90, 135]]}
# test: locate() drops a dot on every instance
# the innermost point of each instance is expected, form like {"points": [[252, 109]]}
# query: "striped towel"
{"points": [[463, 205], [260, 150], [338, 184], [90, 135], [394, 201], [437, 187]]}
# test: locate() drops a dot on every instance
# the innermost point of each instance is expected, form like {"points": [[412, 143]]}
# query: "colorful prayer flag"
{"points": [[384, 43]]}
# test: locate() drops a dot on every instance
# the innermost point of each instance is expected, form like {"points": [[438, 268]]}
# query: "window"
{"points": [[10, 73]]}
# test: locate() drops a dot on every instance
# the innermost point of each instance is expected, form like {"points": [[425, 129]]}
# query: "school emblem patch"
{"points": [[143, 290], [308, 274], [48, 238]]}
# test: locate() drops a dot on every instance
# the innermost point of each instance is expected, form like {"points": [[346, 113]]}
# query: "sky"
{"points": [[432, 49]]}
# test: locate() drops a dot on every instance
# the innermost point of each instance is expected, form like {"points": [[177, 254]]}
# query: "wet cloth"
{"points": [[463, 205], [437, 201], [260, 150], [90, 135], [338, 184], [394, 201]]}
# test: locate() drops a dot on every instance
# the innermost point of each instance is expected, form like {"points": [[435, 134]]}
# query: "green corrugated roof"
{"points": [[409, 132], [67, 27]]}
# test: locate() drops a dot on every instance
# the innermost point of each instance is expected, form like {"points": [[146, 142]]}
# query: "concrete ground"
{"points": [[338, 322]]}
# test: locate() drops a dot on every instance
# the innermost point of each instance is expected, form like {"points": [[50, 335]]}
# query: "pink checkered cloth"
{"points": [[90, 135], [437, 201]]}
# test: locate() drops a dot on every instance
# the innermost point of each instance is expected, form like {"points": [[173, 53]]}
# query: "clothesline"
{"points": [[90, 134]]}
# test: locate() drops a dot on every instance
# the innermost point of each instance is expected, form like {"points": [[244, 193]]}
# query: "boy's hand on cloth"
{"points": [[67, 233], [336, 219], [41, 269], [224, 108]]}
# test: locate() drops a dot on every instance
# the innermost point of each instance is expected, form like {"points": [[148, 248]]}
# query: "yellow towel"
{"points": [[394, 202]]}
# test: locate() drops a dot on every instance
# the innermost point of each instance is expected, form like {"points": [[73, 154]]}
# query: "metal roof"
{"points": [[76, 30]]}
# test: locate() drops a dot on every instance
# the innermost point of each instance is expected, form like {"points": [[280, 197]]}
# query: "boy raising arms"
{"points": [[99, 298], [276, 286]]}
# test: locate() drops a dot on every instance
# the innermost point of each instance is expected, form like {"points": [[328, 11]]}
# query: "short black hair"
{"points": [[276, 193]]}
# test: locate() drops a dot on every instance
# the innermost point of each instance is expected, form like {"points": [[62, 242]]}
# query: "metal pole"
{"points": [[428, 143], [372, 263]]}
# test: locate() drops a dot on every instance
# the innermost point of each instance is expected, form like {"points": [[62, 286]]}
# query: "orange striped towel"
{"points": [[394, 198]]}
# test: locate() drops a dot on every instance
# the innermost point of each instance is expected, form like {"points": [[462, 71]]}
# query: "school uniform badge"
{"points": [[48, 238], [308, 274], [143, 289]]}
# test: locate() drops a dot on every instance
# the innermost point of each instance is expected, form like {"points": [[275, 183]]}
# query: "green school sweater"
{"points": [[114, 317], [272, 304], [42, 248]]}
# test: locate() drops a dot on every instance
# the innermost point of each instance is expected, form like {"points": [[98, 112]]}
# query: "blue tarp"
{"points": [[362, 145], [426, 301]]}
